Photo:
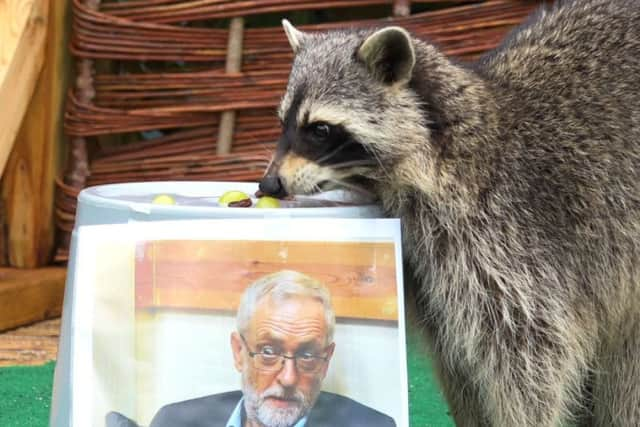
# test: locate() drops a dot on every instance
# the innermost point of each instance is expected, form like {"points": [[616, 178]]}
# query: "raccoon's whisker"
{"points": [[263, 157], [379, 163], [332, 153], [353, 187], [363, 162], [268, 152]]}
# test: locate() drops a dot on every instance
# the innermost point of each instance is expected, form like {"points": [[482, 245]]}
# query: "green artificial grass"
{"points": [[427, 407], [25, 393]]}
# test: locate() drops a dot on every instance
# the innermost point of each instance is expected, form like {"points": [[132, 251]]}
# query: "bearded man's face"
{"points": [[284, 360]]}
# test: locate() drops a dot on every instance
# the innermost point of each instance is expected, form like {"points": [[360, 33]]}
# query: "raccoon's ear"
{"points": [[388, 54], [295, 36]]}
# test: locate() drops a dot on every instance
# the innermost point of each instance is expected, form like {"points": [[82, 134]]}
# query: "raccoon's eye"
{"points": [[320, 130]]}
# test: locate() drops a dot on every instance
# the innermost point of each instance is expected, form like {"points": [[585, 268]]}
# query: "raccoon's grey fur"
{"points": [[517, 180]]}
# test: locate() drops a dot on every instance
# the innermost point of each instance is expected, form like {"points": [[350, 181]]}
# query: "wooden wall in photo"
{"points": [[28, 182], [212, 275]]}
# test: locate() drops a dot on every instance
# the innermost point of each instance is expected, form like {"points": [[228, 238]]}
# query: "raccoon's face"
{"points": [[347, 112]]}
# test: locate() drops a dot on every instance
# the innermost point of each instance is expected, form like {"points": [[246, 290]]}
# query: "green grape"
{"points": [[268, 202], [163, 199], [231, 197]]}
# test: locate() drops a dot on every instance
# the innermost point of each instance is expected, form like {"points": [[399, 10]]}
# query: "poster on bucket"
{"points": [[273, 322]]}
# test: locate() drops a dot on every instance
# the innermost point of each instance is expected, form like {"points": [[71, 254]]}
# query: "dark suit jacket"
{"points": [[330, 410]]}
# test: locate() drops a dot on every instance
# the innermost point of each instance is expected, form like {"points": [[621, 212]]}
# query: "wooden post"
{"points": [[28, 181], [402, 8], [233, 65]]}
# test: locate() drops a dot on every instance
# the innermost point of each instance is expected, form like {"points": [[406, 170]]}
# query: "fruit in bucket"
{"points": [[234, 198], [268, 202], [163, 199]]}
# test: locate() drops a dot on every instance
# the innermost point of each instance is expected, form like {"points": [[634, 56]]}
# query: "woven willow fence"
{"points": [[163, 92]]}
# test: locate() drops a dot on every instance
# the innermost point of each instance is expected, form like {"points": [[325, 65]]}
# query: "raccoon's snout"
{"points": [[272, 185]]}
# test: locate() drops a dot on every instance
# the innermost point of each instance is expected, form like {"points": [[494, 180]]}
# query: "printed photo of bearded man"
{"points": [[282, 348]]}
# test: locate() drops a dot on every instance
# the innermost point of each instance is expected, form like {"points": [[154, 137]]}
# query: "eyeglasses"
{"points": [[269, 359]]}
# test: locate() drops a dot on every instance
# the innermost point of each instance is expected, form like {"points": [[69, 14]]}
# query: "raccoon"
{"points": [[517, 180]]}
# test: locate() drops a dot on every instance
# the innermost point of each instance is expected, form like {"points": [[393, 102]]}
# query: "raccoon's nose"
{"points": [[271, 184]]}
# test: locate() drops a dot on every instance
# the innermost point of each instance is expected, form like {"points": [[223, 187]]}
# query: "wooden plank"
{"points": [[342, 280], [23, 28], [339, 253], [29, 180], [361, 277], [30, 295]]}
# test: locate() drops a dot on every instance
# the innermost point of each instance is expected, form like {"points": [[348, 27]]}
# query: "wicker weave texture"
{"points": [[152, 73]]}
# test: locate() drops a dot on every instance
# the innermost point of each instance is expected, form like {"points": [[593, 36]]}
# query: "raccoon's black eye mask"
{"points": [[328, 144], [320, 131], [322, 134], [315, 140]]}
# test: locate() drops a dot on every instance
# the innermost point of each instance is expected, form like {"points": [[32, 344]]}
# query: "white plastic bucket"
{"points": [[130, 202]]}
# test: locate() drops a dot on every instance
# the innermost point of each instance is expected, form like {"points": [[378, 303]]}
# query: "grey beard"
{"points": [[257, 410]]}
